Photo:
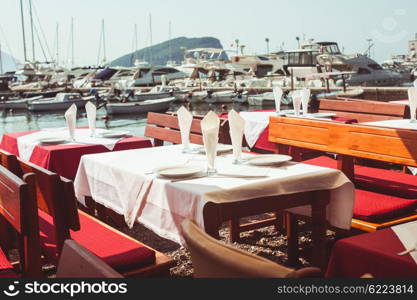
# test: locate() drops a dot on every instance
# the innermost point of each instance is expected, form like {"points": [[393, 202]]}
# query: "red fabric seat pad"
{"points": [[118, 251], [6, 268], [374, 207], [377, 180], [376, 203]]}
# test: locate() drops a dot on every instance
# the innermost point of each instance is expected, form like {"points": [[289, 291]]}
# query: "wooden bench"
{"points": [[60, 220], [398, 146], [18, 208], [164, 128], [364, 110]]}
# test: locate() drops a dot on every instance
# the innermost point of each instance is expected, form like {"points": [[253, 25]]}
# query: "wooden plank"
{"points": [[383, 144], [171, 121], [172, 136], [364, 106]]}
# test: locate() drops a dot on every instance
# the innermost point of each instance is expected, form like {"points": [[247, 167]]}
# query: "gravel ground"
{"points": [[265, 242]]}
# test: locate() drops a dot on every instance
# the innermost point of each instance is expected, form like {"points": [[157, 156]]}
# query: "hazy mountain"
{"points": [[159, 54], [8, 62]]}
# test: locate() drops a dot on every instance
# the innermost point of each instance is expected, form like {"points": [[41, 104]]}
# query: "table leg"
{"points": [[234, 232], [318, 215], [292, 239], [211, 217]]}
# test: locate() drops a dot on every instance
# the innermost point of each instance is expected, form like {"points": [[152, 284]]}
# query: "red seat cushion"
{"points": [[377, 180], [6, 268], [374, 207], [380, 194], [386, 181], [118, 251]]}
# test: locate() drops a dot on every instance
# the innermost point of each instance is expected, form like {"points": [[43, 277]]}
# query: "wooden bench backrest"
{"points": [[164, 127], [55, 199], [54, 195], [384, 144], [18, 207], [364, 110]]}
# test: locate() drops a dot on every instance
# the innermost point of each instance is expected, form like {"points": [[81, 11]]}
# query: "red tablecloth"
{"points": [[373, 253], [64, 159]]}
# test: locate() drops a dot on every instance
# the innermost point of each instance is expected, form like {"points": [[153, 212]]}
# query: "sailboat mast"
{"points": [[57, 44], [104, 41], [136, 42], [72, 42], [150, 38], [31, 30], [23, 30], [1, 62], [169, 38]]}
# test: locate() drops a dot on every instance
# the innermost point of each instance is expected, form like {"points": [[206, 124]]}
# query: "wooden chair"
{"points": [[164, 128], [212, 258], [78, 262], [60, 220], [18, 208], [364, 110]]}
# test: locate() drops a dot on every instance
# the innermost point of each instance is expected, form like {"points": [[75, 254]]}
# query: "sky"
{"points": [[390, 24]]}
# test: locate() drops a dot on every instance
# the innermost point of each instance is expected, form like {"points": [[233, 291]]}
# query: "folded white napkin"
{"points": [[412, 101], [305, 98], [296, 101], [210, 128], [91, 110], [407, 234], [415, 83], [237, 126], [71, 118], [277, 97], [185, 119]]}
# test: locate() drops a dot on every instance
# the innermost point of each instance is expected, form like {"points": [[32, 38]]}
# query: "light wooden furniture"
{"points": [[18, 208], [212, 258], [78, 262], [164, 128], [397, 146], [364, 110]]}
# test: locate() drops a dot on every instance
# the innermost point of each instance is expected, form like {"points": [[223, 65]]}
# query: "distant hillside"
{"points": [[159, 54], [8, 62]]}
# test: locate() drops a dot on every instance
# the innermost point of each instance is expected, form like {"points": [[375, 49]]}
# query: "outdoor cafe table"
{"points": [[376, 253], [62, 159], [125, 183], [257, 129]]}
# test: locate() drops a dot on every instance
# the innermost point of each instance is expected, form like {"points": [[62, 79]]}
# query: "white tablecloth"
{"points": [[401, 124], [255, 124], [27, 143], [124, 183], [407, 233]]}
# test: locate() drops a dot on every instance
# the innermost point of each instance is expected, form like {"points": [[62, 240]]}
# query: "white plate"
{"points": [[220, 149], [114, 134], [178, 171], [286, 112], [268, 159], [51, 141], [322, 115]]}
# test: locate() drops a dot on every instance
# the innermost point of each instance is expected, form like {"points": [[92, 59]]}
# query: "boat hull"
{"points": [[139, 107], [55, 106]]}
